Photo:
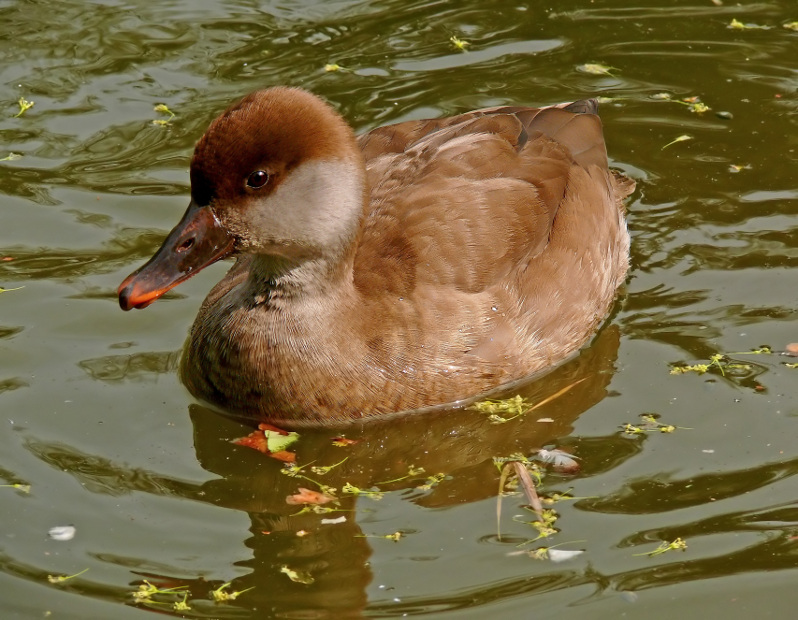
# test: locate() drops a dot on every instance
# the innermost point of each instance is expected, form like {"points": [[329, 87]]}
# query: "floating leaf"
{"points": [[791, 26], [271, 441], [306, 496], [12, 157], [330, 67], [735, 168], [279, 441]]}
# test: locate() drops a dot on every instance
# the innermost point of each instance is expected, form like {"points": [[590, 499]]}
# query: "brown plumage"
{"points": [[419, 264]]}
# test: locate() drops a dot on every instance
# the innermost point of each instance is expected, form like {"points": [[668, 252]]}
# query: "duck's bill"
{"points": [[197, 241]]}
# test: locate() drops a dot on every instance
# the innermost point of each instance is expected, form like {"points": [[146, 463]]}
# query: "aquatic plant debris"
{"points": [[324, 469], [12, 157], [220, 596], [146, 591], [720, 361], [182, 605], [682, 138], [307, 496], [63, 578], [514, 407], [271, 441], [694, 103], [8, 290], [791, 26], [431, 482], [544, 525], [353, 490], [333, 67], [553, 554], [738, 25], [24, 488], [664, 547], [596, 69], [293, 470], [650, 424], [296, 576], [344, 442], [562, 461], [394, 537], [507, 466], [163, 109], [553, 498], [24, 106], [459, 43], [510, 408]]}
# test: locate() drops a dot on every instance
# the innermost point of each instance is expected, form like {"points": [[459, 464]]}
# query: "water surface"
{"points": [[99, 427]]}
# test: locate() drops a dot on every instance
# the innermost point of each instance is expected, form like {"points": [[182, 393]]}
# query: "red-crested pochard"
{"points": [[418, 264]]}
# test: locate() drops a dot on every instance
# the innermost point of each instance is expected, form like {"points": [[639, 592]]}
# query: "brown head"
{"points": [[279, 174]]}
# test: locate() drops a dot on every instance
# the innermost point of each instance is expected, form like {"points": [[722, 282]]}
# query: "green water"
{"points": [[97, 424]]}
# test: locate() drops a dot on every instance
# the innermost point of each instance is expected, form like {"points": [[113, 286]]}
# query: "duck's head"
{"points": [[277, 174]]}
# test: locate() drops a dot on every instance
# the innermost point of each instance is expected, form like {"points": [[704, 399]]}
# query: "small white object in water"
{"points": [[340, 519], [561, 555], [62, 532]]}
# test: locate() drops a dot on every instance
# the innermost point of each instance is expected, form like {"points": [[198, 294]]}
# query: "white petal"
{"points": [[561, 555], [62, 532]]}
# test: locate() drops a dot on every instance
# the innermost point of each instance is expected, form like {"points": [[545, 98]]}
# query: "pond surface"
{"points": [[96, 422]]}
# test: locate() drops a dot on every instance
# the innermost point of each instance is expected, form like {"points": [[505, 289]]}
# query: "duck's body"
{"points": [[423, 263]]}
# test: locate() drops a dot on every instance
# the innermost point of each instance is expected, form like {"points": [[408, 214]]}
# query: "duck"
{"points": [[418, 264]]}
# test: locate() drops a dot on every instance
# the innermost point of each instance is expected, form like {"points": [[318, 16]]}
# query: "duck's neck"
{"points": [[276, 281]]}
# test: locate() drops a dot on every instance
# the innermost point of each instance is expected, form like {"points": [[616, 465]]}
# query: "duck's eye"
{"points": [[258, 179]]}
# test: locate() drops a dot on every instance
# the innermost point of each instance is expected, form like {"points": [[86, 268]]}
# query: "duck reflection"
{"points": [[333, 558]]}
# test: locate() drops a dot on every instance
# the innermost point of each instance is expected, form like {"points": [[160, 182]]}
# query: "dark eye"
{"points": [[258, 179]]}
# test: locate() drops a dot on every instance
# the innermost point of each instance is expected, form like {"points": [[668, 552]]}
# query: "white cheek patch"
{"points": [[317, 207]]}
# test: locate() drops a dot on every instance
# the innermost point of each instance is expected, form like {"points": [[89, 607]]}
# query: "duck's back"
{"points": [[495, 241]]}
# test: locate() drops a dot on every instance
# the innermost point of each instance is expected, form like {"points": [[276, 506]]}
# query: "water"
{"points": [[99, 427]]}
